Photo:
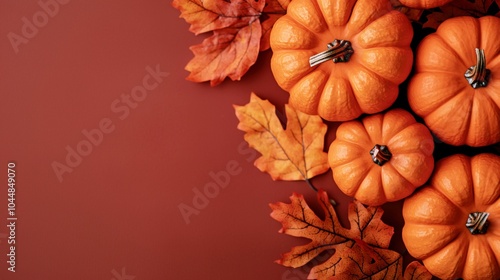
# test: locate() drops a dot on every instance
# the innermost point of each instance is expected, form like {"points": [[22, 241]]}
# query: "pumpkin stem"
{"points": [[478, 75], [478, 223], [380, 154], [338, 51]]}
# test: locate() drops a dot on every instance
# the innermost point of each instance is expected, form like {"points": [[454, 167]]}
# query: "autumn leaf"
{"points": [[227, 53], [237, 35], [210, 15], [359, 252], [416, 271], [456, 8], [294, 153], [412, 14]]}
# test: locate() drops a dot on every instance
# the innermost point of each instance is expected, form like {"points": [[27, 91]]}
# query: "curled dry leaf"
{"points": [[359, 252], [294, 153], [240, 30]]}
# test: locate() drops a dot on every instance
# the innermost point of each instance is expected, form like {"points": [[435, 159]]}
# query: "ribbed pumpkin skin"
{"points": [[424, 4], [368, 83], [438, 92], [354, 171], [435, 217]]}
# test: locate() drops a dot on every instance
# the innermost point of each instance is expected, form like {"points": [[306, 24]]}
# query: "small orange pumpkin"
{"points": [[424, 4], [384, 157], [457, 81], [341, 58], [453, 224]]}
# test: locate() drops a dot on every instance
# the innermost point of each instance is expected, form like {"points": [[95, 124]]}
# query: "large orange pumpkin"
{"points": [[457, 81], [453, 224], [384, 157], [424, 4], [341, 58]]}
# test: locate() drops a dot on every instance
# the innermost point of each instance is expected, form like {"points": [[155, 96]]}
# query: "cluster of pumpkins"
{"points": [[346, 59]]}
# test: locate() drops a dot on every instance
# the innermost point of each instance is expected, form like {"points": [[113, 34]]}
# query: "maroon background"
{"points": [[118, 209]]}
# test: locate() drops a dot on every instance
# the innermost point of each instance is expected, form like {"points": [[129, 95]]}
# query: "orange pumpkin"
{"points": [[424, 4], [341, 58], [453, 224], [457, 81], [383, 157]]}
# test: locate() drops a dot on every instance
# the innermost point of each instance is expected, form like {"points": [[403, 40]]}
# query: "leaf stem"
{"points": [[333, 202]]}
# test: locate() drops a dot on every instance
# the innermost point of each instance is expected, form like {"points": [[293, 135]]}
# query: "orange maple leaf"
{"points": [[456, 8], [237, 38], [294, 153], [360, 252]]}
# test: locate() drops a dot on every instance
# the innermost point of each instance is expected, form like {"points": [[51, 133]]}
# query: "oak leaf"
{"points": [[294, 153], [237, 35], [416, 271], [359, 252], [456, 8]]}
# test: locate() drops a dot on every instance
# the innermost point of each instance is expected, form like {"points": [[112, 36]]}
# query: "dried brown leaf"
{"points": [[474, 8]]}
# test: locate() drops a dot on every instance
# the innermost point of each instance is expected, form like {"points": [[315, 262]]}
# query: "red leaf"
{"points": [[210, 15], [227, 53], [235, 42]]}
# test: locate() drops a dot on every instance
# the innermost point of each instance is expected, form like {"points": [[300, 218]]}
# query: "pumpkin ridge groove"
{"points": [[465, 132], [437, 250], [360, 65], [301, 25], [352, 143], [451, 49], [361, 177], [399, 173], [444, 101]]}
